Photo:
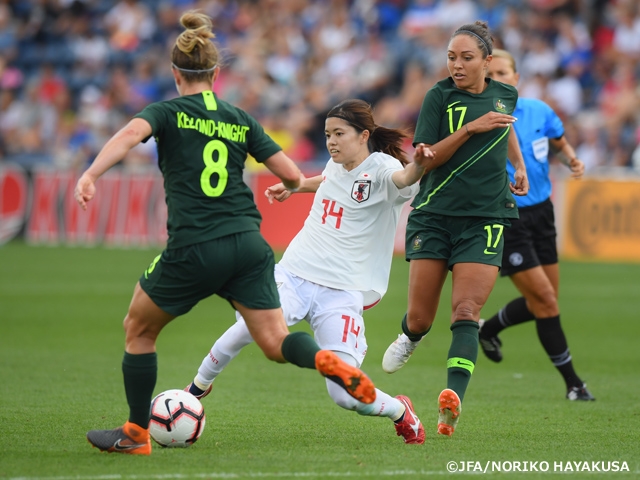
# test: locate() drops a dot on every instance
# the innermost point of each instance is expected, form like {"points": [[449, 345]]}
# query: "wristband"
{"points": [[466, 126]]}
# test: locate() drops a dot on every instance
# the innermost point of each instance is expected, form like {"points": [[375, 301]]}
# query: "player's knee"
{"points": [[273, 353], [133, 327], [544, 303], [466, 309], [140, 335]]}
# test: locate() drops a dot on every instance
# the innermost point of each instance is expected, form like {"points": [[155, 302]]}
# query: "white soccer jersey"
{"points": [[347, 240]]}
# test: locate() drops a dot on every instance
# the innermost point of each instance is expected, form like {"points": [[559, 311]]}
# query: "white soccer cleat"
{"points": [[398, 353]]}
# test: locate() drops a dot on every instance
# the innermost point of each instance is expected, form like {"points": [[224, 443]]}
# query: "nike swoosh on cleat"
{"points": [[415, 426], [119, 447]]}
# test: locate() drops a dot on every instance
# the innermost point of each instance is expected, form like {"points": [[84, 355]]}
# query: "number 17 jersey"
{"points": [[203, 144]]}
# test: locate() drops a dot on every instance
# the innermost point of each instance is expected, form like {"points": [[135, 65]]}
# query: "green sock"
{"points": [[300, 349], [414, 337], [463, 354], [140, 374]]}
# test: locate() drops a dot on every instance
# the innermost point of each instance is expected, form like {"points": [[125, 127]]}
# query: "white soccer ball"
{"points": [[177, 419]]}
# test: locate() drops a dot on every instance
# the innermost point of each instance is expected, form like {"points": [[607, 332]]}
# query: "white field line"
{"points": [[213, 475]]}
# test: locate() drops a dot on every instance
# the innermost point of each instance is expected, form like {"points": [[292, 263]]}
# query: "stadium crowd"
{"points": [[73, 72]]}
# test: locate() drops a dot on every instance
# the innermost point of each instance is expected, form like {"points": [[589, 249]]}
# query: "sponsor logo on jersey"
{"points": [[360, 190], [501, 107]]}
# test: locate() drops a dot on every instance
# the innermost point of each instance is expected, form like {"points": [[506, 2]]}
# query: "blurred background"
{"points": [[72, 72]]}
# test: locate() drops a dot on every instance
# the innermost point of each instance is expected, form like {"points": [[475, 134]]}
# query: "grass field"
{"points": [[61, 345]]}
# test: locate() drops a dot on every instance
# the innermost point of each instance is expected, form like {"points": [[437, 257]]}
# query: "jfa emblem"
{"points": [[360, 190]]}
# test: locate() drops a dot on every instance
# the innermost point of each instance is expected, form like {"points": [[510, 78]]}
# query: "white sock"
{"points": [[222, 352], [384, 405]]}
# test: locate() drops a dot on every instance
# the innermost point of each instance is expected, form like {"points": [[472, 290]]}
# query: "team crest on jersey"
{"points": [[501, 107], [360, 190], [417, 242]]}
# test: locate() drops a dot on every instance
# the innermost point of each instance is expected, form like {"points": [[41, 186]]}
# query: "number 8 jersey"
{"points": [[347, 240], [203, 144]]}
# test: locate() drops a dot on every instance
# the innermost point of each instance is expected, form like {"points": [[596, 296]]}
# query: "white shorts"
{"points": [[335, 316]]}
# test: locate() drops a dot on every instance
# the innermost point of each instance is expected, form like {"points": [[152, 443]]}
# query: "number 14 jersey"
{"points": [[347, 240]]}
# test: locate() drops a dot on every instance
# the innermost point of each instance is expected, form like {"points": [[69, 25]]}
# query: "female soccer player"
{"points": [[530, 255], [339, 263], [464, 205], [214, 244]]}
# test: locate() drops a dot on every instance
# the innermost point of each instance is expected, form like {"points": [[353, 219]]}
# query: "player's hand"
{"points": [[278, 192], [489, 121], [577, 168], [423, 155], [84, 191], [521, 187]]}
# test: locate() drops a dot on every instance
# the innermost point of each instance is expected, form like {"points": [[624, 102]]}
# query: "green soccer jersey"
{"points": [[474, 182], [203, 143]]}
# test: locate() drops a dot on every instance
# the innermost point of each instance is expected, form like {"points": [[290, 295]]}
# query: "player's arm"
{"points": [[285, 169], [568, 155], [521, 186], [113, 151], [414, 171], [449, 145], [280, 193]]}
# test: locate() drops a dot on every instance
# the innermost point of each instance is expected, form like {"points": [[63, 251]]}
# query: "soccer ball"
{"points": [[177, 419]]}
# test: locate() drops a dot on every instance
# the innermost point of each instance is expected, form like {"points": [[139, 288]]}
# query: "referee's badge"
{"points": [[516, 259], [360, 190]]}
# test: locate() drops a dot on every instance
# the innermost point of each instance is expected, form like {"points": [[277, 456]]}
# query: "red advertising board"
{"points": [[128, 210]]}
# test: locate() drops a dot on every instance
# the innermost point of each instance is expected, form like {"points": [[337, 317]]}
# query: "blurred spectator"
{"points": [[591, 148], [453, 13], [493, 12], [419, 16], [8, 32], [540, 57], [11, 78], [72, 72], [566, 92], [143, 87], [90, 49], [511, 33], [51, 84], [129, 23], [626, 33]]}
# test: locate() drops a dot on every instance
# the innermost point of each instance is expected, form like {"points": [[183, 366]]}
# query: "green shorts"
{"points": [[455, 239], [236, 267]]}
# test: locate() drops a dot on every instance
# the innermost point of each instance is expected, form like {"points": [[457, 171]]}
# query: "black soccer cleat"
{"points": [[580, 393], [490, 345], [130, 438]]}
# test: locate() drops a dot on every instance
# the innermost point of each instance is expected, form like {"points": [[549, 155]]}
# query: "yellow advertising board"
{"points": [[602, 220]]}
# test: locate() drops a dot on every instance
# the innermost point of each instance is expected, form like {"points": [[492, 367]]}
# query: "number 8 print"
{"points": [[214, 167]]}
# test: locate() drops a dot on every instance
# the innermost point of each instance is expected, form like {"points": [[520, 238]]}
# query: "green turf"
{"points": [[61, 345]]}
